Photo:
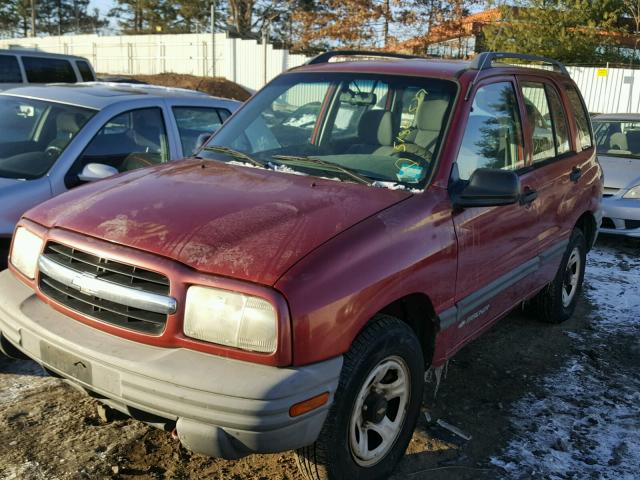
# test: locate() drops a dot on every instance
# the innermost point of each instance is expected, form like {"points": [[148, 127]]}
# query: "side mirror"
{"points": [[488, 187], [93, 172]]}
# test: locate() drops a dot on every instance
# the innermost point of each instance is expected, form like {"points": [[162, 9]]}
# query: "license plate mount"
{"points": [[66, 363]]}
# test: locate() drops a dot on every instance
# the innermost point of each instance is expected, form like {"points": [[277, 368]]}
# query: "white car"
{"points": [[56, 137], [618, 144], [19, 67]]}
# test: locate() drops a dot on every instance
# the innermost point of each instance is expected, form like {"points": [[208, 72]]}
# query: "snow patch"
{"points": [[586, 424]]}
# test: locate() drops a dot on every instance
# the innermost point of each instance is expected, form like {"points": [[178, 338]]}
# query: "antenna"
{"points": [[473, 82]]}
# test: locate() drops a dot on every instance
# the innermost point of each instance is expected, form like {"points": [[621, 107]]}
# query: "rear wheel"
{"points": [[557, 301], [375, 408]]}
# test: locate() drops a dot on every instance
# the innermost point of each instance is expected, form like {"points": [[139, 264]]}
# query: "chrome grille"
{"points": [[110, 291]]}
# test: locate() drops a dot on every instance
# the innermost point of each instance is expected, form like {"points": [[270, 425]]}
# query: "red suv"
{"points": [[352, 225]]}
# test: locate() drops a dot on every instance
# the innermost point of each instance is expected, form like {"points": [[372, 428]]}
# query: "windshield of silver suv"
{"points": [[33, 134], [354, 127]]}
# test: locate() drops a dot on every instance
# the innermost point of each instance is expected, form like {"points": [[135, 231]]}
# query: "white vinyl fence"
{"points": [[251, 64], [246, 62]]}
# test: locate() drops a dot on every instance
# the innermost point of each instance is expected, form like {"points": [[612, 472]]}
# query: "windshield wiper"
{"points": [[235, 154], [328, 165]]}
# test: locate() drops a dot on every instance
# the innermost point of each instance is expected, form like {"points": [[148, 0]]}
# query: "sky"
{"points": [[103, 5]]}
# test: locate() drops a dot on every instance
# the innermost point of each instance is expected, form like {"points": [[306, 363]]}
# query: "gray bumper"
{"points": [[619, 210], [221, 407]]}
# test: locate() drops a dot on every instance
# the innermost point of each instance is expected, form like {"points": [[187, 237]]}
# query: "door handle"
{"points": [[575, 174], [528, 196]]}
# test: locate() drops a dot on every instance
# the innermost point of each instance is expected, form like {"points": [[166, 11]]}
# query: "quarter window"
{"points": [[85, 71], [582, 119], [48, 70], [9, 69], [493, 135]]}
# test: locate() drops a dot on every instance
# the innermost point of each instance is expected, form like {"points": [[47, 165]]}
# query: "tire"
{"points": [[553, 304], [387, 348]]}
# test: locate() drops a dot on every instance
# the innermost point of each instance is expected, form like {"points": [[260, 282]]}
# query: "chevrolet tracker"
{"points": [[351, 226]]}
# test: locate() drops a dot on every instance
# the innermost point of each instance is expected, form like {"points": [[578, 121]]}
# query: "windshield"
{"points": [[354, 127], [33, 134], [618, 138]]}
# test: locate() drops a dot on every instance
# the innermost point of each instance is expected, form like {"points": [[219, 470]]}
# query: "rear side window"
{"points": [[582, 119], [48, 70], [549, 133], [559, 120], [493, 135], [9, 69], [195, 125], [85, 71], [539, 118]]}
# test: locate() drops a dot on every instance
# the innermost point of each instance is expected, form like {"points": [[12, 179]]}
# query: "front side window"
{"points": [[9, 69], [131, 140], [618, 138], [355, 127], [34, 133], [582, 119], [493, 135], [48, 70], [195, 125]]}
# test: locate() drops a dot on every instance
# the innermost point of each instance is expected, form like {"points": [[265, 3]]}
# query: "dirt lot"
{"points": [[216, 86], [539, 401]]}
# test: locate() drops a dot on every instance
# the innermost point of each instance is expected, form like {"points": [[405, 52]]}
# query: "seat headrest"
{"points": [[618, 141], [430, 113], [376, 128], [68, 122]]}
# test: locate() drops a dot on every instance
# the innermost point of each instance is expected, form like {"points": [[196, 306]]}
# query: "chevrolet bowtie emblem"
{"points": [[83, 283]]}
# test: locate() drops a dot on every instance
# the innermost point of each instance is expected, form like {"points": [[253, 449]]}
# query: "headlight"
{"points": [[231, 318], [25, 252], [633, 193]]}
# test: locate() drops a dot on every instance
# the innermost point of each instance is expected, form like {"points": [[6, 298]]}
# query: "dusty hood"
{"points": [[236, 221]]}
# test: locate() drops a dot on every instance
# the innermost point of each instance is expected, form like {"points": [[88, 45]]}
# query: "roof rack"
{"points": [[484, 60], [326, 56]]}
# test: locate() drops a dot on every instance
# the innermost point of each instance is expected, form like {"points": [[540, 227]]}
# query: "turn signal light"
{"points": [[308, 405]]}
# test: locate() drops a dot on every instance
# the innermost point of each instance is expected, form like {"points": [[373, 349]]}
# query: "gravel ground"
{"points": [[539, 401]]}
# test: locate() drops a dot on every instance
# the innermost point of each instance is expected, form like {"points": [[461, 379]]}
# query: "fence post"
{"points": [[129, 58]]}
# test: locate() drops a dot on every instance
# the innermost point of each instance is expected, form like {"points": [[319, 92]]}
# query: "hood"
{"points": [[247, 223], [619, 172]]}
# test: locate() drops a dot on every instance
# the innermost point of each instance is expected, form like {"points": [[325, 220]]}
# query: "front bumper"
{"points": [[220, 407], [621, 216]]}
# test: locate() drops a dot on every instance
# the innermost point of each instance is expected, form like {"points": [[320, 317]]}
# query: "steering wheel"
{"points": [[53, 151], [413, 157]]}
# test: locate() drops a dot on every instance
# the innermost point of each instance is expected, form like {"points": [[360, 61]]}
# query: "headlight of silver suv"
{"points": [[231, 318], [26, 251], [633, 193]]}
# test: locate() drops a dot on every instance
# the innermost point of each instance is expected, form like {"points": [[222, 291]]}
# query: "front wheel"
{"points": [[557, 301], [375, 408]]}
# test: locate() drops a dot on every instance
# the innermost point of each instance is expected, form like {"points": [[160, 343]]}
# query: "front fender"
{"points": [[334, 291]]}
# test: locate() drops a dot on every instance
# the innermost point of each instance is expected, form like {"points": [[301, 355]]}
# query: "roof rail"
{"points": [[484, 60], [326, 56]]}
